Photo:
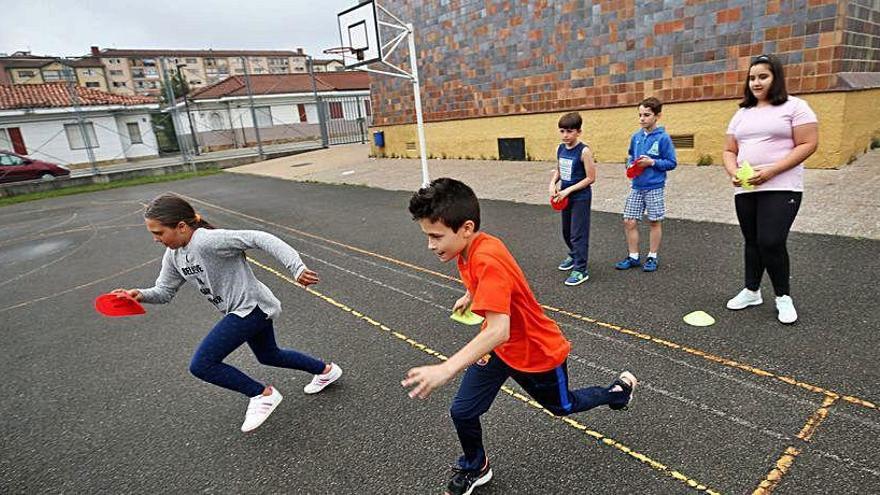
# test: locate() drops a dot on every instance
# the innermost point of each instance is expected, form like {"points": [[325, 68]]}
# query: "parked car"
{"points": [[15, 167]]}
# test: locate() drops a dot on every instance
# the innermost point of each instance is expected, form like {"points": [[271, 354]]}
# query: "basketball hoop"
{"points": [[346, 50]]}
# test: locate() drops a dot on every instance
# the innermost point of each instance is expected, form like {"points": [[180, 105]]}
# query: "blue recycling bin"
{"points": [[379, 139]]}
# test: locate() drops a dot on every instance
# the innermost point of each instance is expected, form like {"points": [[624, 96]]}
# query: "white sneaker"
{"points": [[745, 298], [319, 382], [785, 307], [259, 409]]}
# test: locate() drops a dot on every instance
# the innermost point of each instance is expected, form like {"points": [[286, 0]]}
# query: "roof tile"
{"points": [[54, 95]]}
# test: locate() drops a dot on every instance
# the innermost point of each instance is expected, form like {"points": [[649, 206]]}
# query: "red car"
{"points": [[15, 167]]}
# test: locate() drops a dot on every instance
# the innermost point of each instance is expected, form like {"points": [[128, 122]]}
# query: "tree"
{"points": [[179, 87]]}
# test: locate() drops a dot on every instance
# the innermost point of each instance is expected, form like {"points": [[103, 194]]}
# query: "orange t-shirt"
{"points": [[497, 284]]}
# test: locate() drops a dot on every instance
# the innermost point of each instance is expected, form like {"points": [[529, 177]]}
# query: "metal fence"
{"points": [[261, 118]]}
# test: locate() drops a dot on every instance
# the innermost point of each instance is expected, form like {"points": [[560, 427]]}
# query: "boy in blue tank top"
{"points": [[575, 173]]}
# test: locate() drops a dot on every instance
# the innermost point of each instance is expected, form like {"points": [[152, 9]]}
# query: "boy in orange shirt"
{"points": [[516, 340]]}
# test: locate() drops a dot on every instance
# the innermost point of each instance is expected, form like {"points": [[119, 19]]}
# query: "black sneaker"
{"points": [[463, 482], [627, 382]]}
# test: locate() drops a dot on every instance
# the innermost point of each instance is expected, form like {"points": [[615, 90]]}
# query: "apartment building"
{"points": [[24, 68], [139, 72], [328, 65]]}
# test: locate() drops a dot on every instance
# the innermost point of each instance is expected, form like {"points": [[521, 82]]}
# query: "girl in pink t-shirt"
{"points": [[775, 133]]}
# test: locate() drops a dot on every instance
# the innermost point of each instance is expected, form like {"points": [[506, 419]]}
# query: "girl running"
{"points": [[214, 260]]}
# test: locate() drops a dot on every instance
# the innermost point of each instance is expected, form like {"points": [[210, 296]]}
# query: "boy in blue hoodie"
{"points": [[651, 155]]}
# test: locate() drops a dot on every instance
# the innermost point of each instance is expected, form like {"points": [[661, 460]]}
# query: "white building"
{"points": [[285, 109], [58, 123]]}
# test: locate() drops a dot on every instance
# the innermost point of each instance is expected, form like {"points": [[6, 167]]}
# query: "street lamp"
{"points": [[192, 129]]}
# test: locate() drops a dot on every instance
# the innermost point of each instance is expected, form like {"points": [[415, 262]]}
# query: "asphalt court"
{"points": [[108, 405]]}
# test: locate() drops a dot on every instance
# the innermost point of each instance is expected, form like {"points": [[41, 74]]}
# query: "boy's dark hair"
{"points": [[571, 120], [654, 104], [447, 200], [777, 95], [169, 210]]}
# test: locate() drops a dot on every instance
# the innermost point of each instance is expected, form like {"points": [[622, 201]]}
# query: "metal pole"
{"points": [[322, 123], [175, 118], [361, 120], [192, 128], [247, 82], [74, 98], [417, 94]]}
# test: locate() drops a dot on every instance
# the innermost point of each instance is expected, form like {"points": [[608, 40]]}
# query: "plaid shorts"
{"points": [[651, 200]]}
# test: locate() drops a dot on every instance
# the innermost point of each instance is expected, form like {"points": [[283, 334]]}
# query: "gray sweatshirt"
{"points": [[214, 260]]}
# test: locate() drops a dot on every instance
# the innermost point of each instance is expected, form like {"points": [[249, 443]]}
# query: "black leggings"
{"points": [[765, 219]]}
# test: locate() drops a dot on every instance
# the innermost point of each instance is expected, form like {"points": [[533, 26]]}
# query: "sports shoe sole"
{"points": [[252, 428], [565, 268], [480, 482], [579, 282], [635, 383], [746, 305]]}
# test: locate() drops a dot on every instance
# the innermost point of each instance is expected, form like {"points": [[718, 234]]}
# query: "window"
{"points": [[119, 84], [115, 72], [12, 140], [88, 72], [26, 73], [134, 133], [210, 62], [92, 84], [57, 75], [137, 73], [192, 61], [9, 160], [5, 142], [368, 108], [303, 117], [264, 116], [215, 121], [75, 137], [336, 110]]}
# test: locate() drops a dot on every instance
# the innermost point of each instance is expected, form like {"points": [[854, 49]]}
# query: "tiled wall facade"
{"points": [[861, 37], [493, 58]]}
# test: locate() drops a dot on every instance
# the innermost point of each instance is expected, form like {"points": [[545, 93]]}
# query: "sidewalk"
{"points": [[842, 202], [219, 156]]}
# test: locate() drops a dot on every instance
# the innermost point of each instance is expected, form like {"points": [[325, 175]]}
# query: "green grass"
{"points": [[137, 181]]}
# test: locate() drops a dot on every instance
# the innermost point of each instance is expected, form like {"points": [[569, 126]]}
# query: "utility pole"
{"points": [[192, 128], [175, 118], [247, 82], [74, 98], [322, 122]]}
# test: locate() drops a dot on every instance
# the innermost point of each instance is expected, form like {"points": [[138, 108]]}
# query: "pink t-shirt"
{"points": [[764, 136]]}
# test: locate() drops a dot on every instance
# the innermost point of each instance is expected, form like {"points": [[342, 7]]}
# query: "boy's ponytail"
{"points": [[170, 210]]}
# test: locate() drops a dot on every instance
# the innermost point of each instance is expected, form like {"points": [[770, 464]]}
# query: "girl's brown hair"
{"points": [[169, 210]]}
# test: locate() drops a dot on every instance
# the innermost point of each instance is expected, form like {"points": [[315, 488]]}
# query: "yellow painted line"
{"points": [[610, 442], [774, 477], [816, 419], [783, 465], [644, 336]]}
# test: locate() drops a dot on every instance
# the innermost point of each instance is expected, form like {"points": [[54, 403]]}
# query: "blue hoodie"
{"points": [[658, 145]]}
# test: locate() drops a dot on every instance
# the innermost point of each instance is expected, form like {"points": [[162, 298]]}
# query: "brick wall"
{"points": [[493, 58], [861, 37]]}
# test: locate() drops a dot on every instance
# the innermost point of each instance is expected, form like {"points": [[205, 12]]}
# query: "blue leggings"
{"points": [[228, 335], [481, 384]]}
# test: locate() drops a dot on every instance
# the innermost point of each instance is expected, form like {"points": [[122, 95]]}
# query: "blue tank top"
{"points": [[572, 169]]}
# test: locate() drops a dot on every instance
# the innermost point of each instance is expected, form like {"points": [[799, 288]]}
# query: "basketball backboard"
{"points": [[359, 30]]}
